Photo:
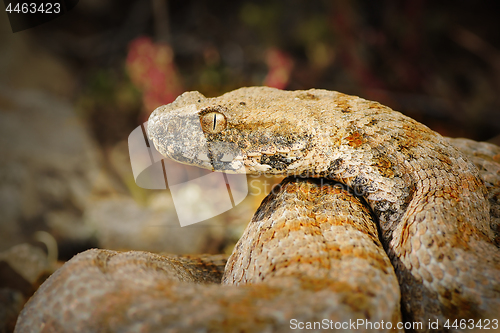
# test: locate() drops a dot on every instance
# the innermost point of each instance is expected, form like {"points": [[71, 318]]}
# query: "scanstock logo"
{"points": [[218, 190], [30, 13]]}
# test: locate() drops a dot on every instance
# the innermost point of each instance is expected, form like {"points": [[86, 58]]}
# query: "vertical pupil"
{"points": [[215, 120]]}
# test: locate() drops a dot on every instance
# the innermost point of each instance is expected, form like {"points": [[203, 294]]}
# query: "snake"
{"points": [[380, 220]]}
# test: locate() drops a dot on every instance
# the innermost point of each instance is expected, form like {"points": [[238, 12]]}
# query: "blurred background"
{"points": [[72, 90]]}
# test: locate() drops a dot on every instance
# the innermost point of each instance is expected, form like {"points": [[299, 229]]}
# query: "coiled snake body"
{"points": [[314, 244]]}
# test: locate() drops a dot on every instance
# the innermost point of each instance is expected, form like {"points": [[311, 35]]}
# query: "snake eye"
{"points": [[213, 122]]}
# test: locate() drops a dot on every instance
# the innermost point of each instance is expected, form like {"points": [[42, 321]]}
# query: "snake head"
{"points": [[239, 132], [179, 132]]}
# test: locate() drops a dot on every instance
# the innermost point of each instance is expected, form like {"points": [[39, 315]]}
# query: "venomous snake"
{"points": [[312, 251]]}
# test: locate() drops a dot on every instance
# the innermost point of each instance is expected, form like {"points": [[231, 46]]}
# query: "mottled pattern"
{"points": [[327, 240], [315, 263], [431, 204], [312, 250], [486, 157]]}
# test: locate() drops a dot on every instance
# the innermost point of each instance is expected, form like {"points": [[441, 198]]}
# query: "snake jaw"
{"points": [[203, 135], [168, 131]]}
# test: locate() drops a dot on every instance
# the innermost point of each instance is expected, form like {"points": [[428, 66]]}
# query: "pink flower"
{"points": [[152, 70], [280, 67]]}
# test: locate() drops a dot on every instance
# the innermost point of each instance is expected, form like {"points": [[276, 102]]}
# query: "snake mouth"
{"points": [[225, 157], [179, 137], [218, 156]]}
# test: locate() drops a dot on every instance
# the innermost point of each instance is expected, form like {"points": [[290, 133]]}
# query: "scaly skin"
{"points": [[312, 250], [429, 199], [330, 268], [486, 157]]}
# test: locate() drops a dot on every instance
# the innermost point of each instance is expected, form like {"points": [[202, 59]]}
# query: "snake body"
{"points": [[328, 269], [313, 250], [429, 200]]}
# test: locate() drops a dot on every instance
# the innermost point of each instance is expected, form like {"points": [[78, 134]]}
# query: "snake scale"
{"points": [[381, 220]]}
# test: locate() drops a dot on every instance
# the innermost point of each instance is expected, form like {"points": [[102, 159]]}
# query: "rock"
{"points": [[48, 165], [22, 268]]}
